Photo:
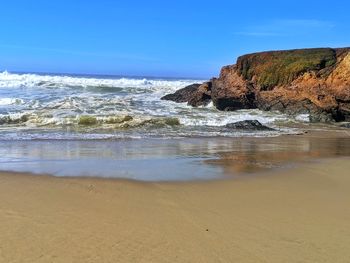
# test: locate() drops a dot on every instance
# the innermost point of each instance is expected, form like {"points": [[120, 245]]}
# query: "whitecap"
{"points": [[10, 101], [12, 80], [303, 117]]}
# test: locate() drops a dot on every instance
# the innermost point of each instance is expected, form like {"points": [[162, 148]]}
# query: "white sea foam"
{"points": [[10, 101], [303, 117], [34, 80], [218, 119]]}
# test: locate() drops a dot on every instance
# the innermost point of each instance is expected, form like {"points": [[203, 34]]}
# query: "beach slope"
{"points": [[296, 215]]}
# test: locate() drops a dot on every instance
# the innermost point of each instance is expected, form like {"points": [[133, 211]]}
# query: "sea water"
{"points": [[63, 107]]}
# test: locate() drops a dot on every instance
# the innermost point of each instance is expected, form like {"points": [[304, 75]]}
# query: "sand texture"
{"points": [[300, 215]]}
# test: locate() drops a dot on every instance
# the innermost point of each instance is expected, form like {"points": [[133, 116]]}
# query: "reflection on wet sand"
{"points": [[261, 154], [171, 159]]}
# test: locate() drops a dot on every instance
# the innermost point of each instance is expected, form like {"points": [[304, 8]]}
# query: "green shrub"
{"points": [[281, 67]]}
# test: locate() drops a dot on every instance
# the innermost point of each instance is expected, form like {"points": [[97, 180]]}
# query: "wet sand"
{"points": [[186, 159], [300, 214]]}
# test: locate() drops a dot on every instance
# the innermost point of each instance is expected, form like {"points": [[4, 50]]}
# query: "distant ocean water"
{"points": [[65, 107]]}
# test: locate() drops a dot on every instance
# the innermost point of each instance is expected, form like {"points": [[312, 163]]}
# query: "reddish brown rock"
{"points": [[324, 93], [202, 96], [313, 81], [240, 95]]}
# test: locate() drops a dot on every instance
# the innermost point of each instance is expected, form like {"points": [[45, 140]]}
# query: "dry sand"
{"points": [[299, 215]]}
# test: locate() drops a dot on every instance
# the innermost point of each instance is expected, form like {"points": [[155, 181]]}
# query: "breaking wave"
{"points": [[11, 80]]}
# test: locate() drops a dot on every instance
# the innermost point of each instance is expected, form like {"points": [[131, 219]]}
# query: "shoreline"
{"points": [[188, 159], [289, 167]]}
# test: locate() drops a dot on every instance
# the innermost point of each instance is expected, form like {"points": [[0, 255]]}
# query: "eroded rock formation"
{"points": [[313, 81]]}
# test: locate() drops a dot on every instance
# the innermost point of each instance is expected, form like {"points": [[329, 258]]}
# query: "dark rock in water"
{"points": [[202, 95], [195, 95], [182, 95], [345, 125], [320, 116], [252, 125]]}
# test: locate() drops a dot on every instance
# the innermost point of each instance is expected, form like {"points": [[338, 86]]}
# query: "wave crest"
{"points": [[9, 80]]}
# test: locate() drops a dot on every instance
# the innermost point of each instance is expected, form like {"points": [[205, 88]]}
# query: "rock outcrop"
{"points": [[195, 95], [252, 125], [313, 81], [345, 125], [182, 95]]}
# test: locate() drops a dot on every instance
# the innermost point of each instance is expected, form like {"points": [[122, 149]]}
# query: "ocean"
{"points": [[65, 107]]}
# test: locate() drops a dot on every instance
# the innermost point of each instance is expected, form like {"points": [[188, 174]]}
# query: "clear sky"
{"points": [[158, 37]]}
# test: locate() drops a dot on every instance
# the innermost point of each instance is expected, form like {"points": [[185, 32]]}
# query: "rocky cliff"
{"points": [[314, 81]]}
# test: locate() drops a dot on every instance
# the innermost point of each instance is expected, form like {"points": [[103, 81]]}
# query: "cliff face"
{"points": [[314, 81]]}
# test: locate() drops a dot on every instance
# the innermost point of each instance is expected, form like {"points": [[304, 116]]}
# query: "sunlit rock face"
{"points": [[313, 81]]}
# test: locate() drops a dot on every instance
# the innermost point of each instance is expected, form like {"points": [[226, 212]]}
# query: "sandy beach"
{"points": [[296, 215], [174, 131]]}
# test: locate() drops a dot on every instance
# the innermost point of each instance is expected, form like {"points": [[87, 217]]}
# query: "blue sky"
{"points": [[160, 38]]}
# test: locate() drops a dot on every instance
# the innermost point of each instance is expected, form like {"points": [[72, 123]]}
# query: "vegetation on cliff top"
{"points": [[270, 69]]}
